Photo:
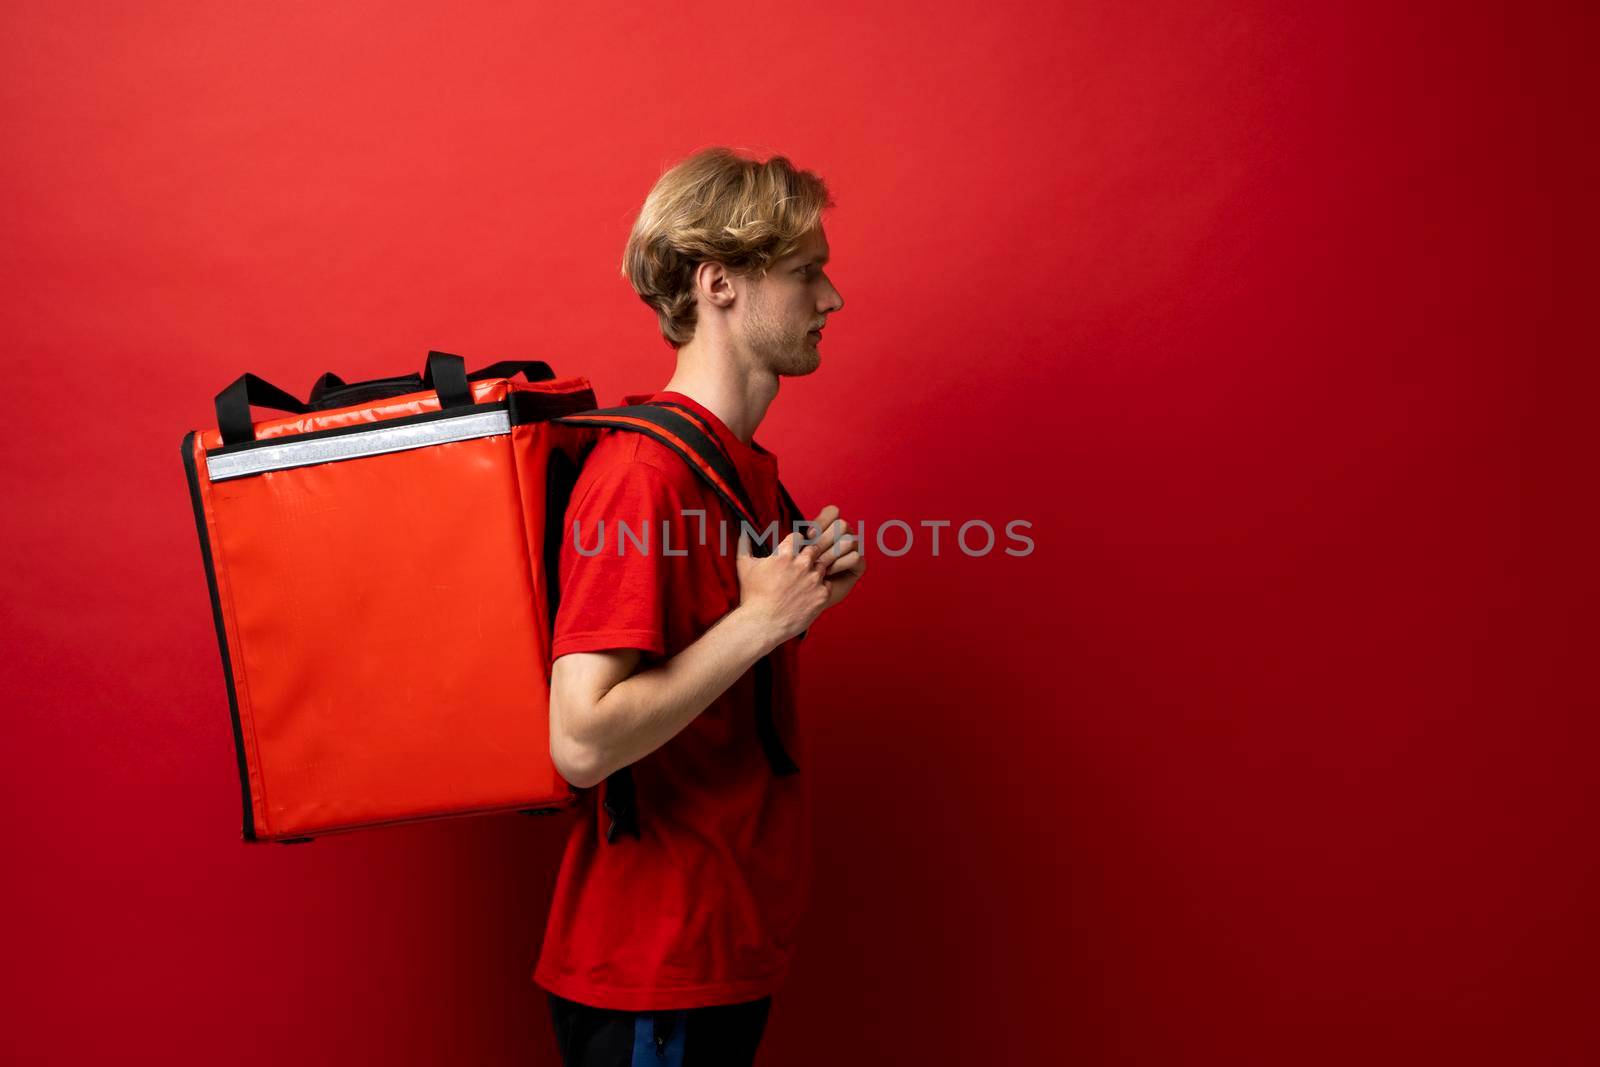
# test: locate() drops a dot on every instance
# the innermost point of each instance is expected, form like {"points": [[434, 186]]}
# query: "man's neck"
{"points": [[738, 397]]}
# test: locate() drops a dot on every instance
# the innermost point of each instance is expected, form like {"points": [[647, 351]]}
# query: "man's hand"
{"points": [[785, 591], [605, 713], [841, 552]]}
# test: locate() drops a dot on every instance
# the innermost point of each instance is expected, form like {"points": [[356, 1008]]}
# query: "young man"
{"points": [[670, 931]]}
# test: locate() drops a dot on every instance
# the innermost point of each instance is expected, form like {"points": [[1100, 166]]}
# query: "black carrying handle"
{"points": [[447, 374], [444, 373], [332, 391], [327, 384], [535, 370], [233, 406]]}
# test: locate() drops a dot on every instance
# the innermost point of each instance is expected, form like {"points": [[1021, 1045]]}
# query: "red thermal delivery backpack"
{"points": [[382, 563]]}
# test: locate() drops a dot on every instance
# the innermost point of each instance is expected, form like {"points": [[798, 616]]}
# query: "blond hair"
{"points": [[716, 205]]}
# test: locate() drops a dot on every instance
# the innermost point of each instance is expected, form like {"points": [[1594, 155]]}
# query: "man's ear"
{"points": [[714, 283]]}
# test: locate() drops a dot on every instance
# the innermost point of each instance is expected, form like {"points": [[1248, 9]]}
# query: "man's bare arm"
{"points": [[603, 716]]}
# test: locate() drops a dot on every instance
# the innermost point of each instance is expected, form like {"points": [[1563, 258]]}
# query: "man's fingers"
{"points": [[844, 563], [817, 528], [825, 534], [847, 541], [830, 536], [809, 552], [823, 539], [826, 515], [840, 540], [797, 546]]}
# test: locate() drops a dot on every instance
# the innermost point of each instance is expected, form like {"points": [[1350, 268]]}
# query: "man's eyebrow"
{"points": [[820, 261]]}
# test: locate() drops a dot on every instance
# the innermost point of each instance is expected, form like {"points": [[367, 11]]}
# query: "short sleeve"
{"points": [[613, 577]]}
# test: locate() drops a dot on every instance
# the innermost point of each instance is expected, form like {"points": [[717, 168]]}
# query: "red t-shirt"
{"points": [[704, 906]]}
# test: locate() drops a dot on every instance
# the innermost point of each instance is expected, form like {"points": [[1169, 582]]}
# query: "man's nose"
{"points": [[834, 302]]}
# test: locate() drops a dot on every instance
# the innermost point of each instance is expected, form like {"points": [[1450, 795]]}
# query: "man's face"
{"points": [[788, 307]]}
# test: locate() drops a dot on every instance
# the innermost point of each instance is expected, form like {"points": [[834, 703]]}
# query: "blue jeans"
{"points": [[725, 1035]]}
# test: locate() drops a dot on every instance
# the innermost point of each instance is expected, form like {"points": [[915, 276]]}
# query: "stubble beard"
{"points": [[780, 352]]}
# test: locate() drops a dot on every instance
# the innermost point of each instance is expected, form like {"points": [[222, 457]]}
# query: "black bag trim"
{"points": [[193, 475], [561, 475], [525, 407], [360, 427]]}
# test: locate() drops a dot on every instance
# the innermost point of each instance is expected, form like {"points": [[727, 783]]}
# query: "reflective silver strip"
{"points": [[373, 442]]}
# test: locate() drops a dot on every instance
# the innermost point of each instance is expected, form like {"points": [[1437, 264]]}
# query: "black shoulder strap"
{"points": [[791, 511], [681, 430], [697, 448]]}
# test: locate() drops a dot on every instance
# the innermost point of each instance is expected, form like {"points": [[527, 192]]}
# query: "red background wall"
{"points": [[1277, 748]]}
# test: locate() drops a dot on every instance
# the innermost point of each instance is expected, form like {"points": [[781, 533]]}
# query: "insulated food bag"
{"points": [[380, 562]]}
